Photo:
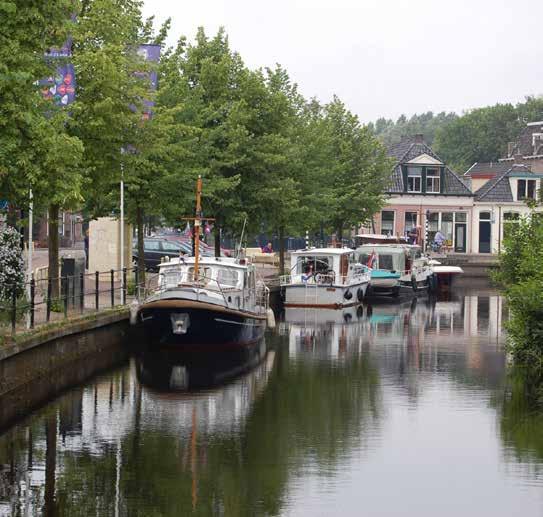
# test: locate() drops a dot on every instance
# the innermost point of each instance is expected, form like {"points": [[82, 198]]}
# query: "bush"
{"points": [[521, 278], [12, 275]]}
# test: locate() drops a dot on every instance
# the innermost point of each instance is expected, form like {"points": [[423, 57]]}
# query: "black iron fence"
{"points": [[45, 300]]}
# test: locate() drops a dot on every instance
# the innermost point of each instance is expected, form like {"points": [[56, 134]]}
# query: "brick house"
{"points": [[425, 193]]}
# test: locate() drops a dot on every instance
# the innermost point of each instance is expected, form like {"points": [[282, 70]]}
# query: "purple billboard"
{"points": [[151, 54]]}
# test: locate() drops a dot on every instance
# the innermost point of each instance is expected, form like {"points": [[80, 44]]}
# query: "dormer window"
{"points": [[414, 179], [433, 178], [526, 189]]}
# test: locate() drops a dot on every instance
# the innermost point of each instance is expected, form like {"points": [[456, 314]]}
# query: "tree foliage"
{"points": [[521, 275]]}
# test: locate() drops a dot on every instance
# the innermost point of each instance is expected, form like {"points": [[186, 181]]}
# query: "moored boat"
{"points": [[328, 278], [204, 303], [395, 267], [444, 275]]}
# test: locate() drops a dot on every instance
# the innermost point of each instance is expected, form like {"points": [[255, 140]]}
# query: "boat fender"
{"points": [[360, 311], [347, 317], [348, 295], [414, 283], [134, 307], [360, 294], [270, 318]]}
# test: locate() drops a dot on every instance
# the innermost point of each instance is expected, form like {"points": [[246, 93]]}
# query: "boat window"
{"points": [[385, 262], [228, 277], [204, 274], [171, 277], [316, 264]]}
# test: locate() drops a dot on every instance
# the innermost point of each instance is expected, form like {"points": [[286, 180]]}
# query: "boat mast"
{"points": [[197, 221], [197, 224]]}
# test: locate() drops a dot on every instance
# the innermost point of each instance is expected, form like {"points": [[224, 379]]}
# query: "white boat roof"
{"points": [[389, 247], [209, 261], [322, 251]]}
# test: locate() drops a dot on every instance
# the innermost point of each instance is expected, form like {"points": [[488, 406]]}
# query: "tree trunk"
{"points": [[281, 250], [217, 235], [53, 250], [141, 249], [340, 235]]}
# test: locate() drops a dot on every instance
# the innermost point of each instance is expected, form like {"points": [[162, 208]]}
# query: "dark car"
{"points": [[156, 249]]}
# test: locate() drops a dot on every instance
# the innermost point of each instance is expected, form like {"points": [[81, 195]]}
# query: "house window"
{"points": [[447, 227], [387, 222], [433, 178], [526, 189], [410, 220], [414, 179]]}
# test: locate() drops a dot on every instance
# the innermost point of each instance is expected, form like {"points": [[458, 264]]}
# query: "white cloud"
{"points": [[382, 57]]}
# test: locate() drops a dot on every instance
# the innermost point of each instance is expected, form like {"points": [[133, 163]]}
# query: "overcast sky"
{"points": [[382, 57]]}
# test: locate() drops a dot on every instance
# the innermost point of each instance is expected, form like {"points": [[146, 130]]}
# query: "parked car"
{"points": [[156, 248]]}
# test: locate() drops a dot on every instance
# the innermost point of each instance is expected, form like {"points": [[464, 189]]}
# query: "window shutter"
{"points": [[441, 180]]}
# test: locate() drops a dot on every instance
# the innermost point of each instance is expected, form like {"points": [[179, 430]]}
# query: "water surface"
{"points": [[404, 409]]}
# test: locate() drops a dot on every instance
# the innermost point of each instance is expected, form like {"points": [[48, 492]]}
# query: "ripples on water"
{"points": [[399, 409]]}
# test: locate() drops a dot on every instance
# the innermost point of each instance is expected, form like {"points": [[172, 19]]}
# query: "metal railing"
{"points": [[164, 282], [45, 300]]}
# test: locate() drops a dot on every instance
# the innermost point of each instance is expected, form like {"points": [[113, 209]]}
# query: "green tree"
{"points": [[352, 188], [521, 276]]}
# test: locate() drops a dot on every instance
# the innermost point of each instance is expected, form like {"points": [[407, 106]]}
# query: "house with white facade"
{"points": [[426, 194], [502, 202]]}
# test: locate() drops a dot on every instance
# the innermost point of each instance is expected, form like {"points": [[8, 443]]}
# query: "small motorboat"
{"points": [[395, 267], [327, 278], [444, 275]]}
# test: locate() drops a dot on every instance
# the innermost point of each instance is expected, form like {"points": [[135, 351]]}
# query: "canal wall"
{"points": [[40, 366]]}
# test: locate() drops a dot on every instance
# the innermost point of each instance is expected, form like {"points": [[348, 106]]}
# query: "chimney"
{"points": [[518, 159], [419, 138]]}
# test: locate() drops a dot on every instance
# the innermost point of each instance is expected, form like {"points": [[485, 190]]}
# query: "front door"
{"points": [[484, 236], [460, 237]]}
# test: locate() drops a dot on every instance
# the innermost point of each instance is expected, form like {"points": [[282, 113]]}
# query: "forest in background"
{"points": [[478, 135]]}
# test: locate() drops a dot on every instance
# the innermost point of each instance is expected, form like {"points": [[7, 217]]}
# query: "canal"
{"points": [[402, 409]]}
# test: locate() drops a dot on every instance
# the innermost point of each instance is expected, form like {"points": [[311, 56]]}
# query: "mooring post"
{"points": [[32, 299], [97, 289], [13, 308], [49, 287], [123, 289], [82, 292], [112, 281]]}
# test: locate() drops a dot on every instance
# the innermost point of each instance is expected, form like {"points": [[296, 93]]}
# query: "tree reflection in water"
{"points": [[151, 439]]}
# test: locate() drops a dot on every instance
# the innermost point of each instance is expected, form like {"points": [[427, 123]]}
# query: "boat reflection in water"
{"points": [[176, 371]]}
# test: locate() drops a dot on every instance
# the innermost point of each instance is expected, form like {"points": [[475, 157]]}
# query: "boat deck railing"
{"points": [[257, 298]]}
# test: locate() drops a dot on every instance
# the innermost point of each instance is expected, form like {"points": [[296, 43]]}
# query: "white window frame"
{"points": [[434, 178], [524, 195], [414, 172], [393, 220]]}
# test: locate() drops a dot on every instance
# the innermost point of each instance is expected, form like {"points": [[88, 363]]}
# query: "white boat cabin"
{"points": [[214, 273], [399, 258], [325, 265]]}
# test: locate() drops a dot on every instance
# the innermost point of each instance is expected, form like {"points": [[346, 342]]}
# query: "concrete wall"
{"points": [[105, 244]]}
